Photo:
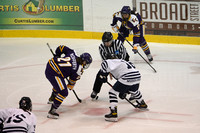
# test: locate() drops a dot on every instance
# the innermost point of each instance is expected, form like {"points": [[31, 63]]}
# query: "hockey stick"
{"points": [[80, 101], [66, 78], [138, 53], [124, 98], [51, 50]]}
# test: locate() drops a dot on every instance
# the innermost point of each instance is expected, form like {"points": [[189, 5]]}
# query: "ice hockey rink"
{"points": [[172, 94]]}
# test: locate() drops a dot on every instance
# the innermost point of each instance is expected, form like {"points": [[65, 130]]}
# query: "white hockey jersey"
{"points": [[122, 71], [17, 121]]}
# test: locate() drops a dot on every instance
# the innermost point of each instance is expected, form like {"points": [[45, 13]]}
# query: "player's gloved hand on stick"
{"points": [[122, 95], [71, 84], [115, 28], [135, 50], [70, 87], [110, 56], [103, 78]]}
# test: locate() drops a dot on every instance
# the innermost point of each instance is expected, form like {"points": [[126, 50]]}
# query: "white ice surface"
{"points": [[172, 94]]}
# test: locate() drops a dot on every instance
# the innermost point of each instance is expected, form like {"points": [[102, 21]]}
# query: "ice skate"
{"points": [[141, 105], [52, 113], [112, 117], [150, 58]]}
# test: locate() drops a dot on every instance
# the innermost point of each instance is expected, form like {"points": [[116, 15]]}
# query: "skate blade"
{"points": [[133, 101], [111, 119], [143, 109], [52, 116], [50, 102]]}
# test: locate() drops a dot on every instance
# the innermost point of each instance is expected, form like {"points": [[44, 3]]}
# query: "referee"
{"points": [[109, 48]]}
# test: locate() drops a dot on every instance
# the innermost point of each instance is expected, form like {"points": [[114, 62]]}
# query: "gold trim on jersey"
{"points": [[59, 82], [129, 18], [72, 82], [54, 90], [55, 67], [136, 34], [61, 47]]}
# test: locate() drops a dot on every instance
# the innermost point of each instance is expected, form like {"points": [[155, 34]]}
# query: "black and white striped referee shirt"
{"points": [[116, 47]]}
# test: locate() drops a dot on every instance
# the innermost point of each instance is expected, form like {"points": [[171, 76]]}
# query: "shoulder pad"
{"points": [[134, 20]]}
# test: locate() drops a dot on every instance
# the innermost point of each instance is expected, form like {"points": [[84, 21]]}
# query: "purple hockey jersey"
{"points": [[66, 66], [134, 22]]}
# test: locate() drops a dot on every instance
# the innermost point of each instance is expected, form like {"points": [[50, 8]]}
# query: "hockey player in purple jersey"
{"points": [[69, 67], [131, 21]]}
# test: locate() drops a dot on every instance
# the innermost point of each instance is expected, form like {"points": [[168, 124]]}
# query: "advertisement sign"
{"points": [[171, 17], [41, 14]]}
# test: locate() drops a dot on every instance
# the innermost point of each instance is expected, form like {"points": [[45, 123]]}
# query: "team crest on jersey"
{"points": [[31, 6]]}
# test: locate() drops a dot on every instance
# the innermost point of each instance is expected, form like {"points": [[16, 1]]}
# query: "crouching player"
{"points": [[20, 120], [58, 68], [128, 80]]}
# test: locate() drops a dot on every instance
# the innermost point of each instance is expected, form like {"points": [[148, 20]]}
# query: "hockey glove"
{"points": [[71, 84], [110, 56], [70, 87], [102, 76], [103, 79], [135, 49], [115, 28], [122, 95]]}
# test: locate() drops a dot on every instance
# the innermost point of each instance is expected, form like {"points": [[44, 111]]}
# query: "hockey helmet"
{"points": [[87, 58], [107, 36], [25, 104], [126, 10]]}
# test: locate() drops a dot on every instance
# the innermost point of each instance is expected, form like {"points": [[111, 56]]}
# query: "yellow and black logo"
{"points": [[32, 7]]}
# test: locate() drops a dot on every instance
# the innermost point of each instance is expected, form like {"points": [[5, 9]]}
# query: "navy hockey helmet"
{"points": [[107, 36], [25, 104], [87, 58], [126, 10]]}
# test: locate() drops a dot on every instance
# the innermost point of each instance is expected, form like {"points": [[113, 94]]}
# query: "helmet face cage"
{"points": [[87, 58], [25, 104], [107, 36]]}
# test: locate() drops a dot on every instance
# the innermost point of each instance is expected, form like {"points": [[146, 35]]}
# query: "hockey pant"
{"points": [[121, 88], [60, 88], [97, 83]]}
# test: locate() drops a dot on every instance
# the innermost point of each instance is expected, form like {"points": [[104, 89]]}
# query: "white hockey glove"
{"points": [[115, 28]]}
